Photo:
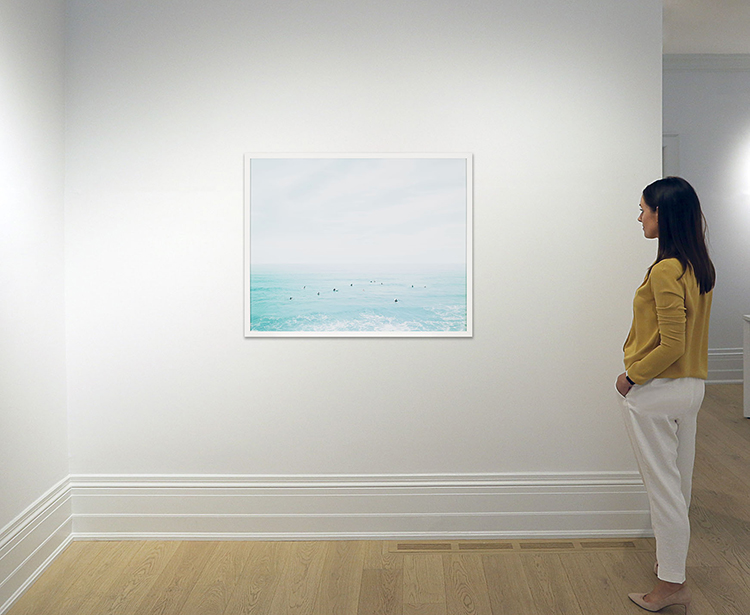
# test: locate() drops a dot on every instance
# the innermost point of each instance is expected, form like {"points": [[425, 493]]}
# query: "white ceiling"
{"points": [[707, 26]]}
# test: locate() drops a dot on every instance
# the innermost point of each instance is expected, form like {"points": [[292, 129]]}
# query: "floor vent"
{"points": [[523, 546], [547, 546], [612, 545], [484, 546]]}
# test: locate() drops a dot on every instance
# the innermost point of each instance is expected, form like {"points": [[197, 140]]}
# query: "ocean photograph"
{"points": [[358, 246]]}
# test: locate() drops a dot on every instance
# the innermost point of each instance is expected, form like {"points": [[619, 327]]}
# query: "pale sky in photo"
{"points": [[358, 210]]}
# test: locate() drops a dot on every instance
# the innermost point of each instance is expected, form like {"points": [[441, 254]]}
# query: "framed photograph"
{"points": [[358, 245]]}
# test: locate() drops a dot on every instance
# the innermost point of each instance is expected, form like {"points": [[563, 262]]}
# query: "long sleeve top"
{"points": [[669, 334]]}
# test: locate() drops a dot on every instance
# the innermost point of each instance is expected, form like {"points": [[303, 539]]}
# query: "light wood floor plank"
{"points": [[379, 557], [724, 535], [424, 583], [700, 603], [549, 585], [425, 609], [725, 402], [508, 588], [381, 592], [259, 581], [715, 475], [220, 577], [703, 551], [626, 572], [127, 589], [172, 589], [592, 585], [722, 591], [301, 579], [341, 580], [90, 586], [730, 449], [465, 585]]}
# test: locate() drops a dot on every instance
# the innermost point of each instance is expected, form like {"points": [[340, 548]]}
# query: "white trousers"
{"points": [[661, 417]]}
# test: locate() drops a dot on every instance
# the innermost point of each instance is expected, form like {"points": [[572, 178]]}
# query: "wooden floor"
{"points": [[357, 578]]}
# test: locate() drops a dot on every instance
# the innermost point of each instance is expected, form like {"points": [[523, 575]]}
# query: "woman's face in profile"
{"points": [[649, 218]]}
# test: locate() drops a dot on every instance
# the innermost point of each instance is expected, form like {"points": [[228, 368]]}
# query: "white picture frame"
{"points": [[358, 245]]}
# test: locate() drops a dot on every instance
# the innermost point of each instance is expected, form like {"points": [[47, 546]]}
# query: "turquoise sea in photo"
{"points": [[358, 298]]}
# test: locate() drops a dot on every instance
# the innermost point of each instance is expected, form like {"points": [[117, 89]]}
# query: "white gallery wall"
{"points": [[560, 105], [707, 113], [33, 422], [32, 328]]}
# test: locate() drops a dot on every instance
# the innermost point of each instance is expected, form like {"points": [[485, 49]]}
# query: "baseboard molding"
{"points": [[359, 507], [707, 61], [725, 366], [33, 540]]}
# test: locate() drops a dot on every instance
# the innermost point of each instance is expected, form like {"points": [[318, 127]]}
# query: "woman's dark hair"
{"points": [[682, 228]]}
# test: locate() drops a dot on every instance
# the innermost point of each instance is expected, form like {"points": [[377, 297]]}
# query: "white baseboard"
{"points": [[359, 507], [32, 541], [707, 61], [725, 366]]}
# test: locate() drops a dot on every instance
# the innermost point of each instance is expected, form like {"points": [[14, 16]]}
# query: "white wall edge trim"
{"points": [[31, 514], [29, 580], [351, 481], [706, 61], [379, 536], [32, 541], [729, 352], [725, 366]]}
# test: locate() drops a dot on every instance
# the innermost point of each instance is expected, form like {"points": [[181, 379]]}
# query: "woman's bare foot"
{"points": [[662, 591]]}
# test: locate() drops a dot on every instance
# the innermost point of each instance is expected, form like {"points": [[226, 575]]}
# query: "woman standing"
{"points": [[666, 362]]}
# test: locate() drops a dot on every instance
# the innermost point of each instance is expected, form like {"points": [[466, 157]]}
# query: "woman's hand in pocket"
{"points": [[622, 385]]}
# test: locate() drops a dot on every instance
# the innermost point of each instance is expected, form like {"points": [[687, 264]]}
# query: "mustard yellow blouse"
{"points": [[669, 334]]}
